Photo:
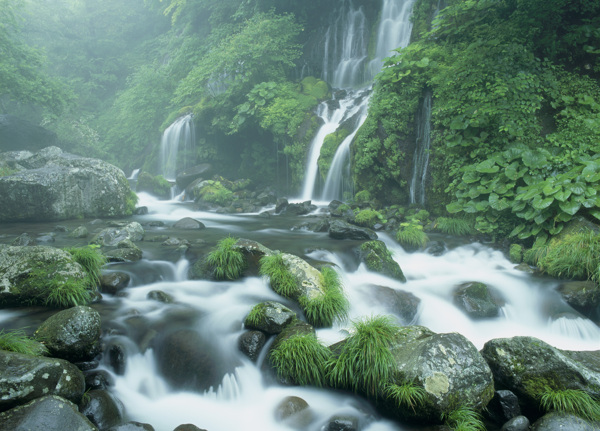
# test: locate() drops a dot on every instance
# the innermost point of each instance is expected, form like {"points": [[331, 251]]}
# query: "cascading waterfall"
{"points": [[177, 146], [347, 45], [421, 154]]}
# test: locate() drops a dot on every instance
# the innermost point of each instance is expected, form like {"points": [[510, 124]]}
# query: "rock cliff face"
{"points": [[53, 185]]}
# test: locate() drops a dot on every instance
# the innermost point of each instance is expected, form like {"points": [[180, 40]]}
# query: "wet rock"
{"points": [[124, 253], [189, 223], [45, 239], [269, 317], [102, 408], [334, 204], [583, 296], [24, 240], [160, 296], [79, 232], [476, 300], [113, 282], [563, 421], [518, 423], [60, 228], [266, 198], [435, 248], [72, 334], [47, 413], [525, 365], [25, 377], [339, 229], [112, 236], [302, 208], [342, 423], [176, 242], [251, 343], [98, 379], [132, 426], [117, 357], [185, 178], [143, 210], [378, 258], [402, 304], [188, 427], [294, 412], [281, 205], [253, 251], [503, 407], [87, 365], [61, 186]]}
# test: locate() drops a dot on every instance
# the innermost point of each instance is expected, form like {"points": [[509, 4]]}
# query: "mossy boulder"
{"points": [[24, 378], [269, 317], [155, 185], [112, 236], [72, 334], [339, 229], [53, 185], [27, 273], [526, 366], [476, 300], [309, 281], [378, 258]]}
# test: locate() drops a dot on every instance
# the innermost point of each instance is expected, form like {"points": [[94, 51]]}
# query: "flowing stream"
{"points": [[215, 311]]}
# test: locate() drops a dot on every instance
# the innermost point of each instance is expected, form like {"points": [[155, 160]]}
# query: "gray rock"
{"points": [[269, 317], [518, 423], [160, 296], [339, 229], [562, 422], [294, 412], [503, 407], [281, 205], [194, 173], [61, 186], [584, 296], [112, 236], [79, 232], [102, 408], [476, 300], [188, 427], [72, 334], [132, 426], [251, 343], [132, 254], [113, 282], [48, 413], [302, 208], [98, 379], [24, 378], [342, 423], [378, 258], [25, 271], [402, 304], [525, 365], [189, 223], [24, 240]]}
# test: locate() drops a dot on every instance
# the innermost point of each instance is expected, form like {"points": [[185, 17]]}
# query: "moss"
{"points": [[330, 146], [378, 258], [155, 185], [215, 192], [368, 218]]}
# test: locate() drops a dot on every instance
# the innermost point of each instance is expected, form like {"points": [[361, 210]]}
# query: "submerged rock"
{"points": [[189, 223], [58, 186], [476, 300], [251, 343], [102, 408], [294, 412], [402, 304]]}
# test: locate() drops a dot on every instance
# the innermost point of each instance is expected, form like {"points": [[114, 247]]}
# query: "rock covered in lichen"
{"points": [[378, 258]]}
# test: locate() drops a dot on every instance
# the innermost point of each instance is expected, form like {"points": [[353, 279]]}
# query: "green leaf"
{"points": [[458, 123], [591, 173], [577, 188], [487, 167], [518, 206], [482, 205], [512, 171], [539, 204], [556, 229], [517, 230], [534, 159], [595, 213], [497, 203], [570, 207], [454, 207], [550, 189], [563, 195], [471, 177]]}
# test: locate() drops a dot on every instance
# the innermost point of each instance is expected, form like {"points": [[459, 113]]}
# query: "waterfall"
{"points": [[176, 147], [345, 53], [421, 154]]}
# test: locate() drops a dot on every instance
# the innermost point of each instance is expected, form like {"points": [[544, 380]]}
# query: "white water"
{"points": [[177, 138], [421, 155]]}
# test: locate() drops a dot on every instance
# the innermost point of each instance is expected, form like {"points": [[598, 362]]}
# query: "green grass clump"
{"points": [[91, 259], [301, 359], [227, 263], [323, 310], [571, 256], [365, 363], [406, 395], [255, 316], [572, 401], [453, 226], [411, 236], [368, 217], [280, 277], [68, 292], [464, 418], [17, 341]]}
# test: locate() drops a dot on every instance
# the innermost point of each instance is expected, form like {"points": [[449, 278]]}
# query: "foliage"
{"points": [[368, 217], [515, 253], [574, 401], [363, 196], [464, 418], [68, 292], [156, 185], [91, 259], [215, 192], [227, 262], [301, 359], [254, 317], [17, 341], [453, 226], [280, 277], [365, 363], [323, 310], [407, 395], [411, 236]]}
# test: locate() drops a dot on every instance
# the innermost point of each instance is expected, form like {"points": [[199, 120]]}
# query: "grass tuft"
{"points": [[17, 341], [572, 401], [91, 259], [68, 292], [464, 418], [366, 362], [323, 310], [411, 235], [280, 278], [453, 226], [301, 359], [406, 395], [227, 263]]}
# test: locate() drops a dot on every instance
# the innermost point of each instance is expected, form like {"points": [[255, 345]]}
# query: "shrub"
{"points": [[301, 359], [573, 401], [280, 278], [17, 341], [366, 362], [464, 418], [406, 395], [411, 236], [215, 192], [362, 196], [227, 263], [91, 259], [453, 226], [323, 310], [368, 217]]}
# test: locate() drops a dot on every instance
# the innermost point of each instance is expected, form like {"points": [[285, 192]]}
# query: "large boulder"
{"points": [[447, 366], [26, 272], [527, 366], [112, 236], [189, 175], [24, 378], [378, 258], [19, 134], [339, 229], [53, 185], [558, 421], [48, 413], [72, 334], [309, 281]]}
